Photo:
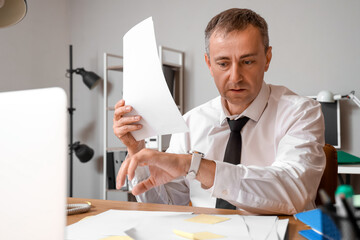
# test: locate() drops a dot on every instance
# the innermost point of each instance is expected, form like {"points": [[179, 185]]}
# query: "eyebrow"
{"points": [[242, 57]]}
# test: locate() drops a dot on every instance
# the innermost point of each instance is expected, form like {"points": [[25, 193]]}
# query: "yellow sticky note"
{"points": [[207, 235], [184, 234], [198, 235], [117, 238], [209, 219], [86, 218]]}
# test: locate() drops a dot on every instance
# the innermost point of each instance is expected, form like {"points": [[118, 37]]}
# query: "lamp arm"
{"points": [[354, 98], [77, 70]]}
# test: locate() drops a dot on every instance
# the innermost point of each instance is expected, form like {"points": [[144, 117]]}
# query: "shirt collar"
{"points": [[253, 111]]}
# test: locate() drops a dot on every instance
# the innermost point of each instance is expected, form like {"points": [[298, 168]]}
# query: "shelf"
{"points": [[172, 64], [349, 169], [119, 68], [116, 149], [118, 190], [171, 58]]}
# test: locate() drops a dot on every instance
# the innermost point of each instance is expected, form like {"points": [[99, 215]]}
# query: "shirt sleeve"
{"points": [[175, 192], [290, 184]]}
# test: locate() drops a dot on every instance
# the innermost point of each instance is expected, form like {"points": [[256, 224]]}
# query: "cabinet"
{"points": [[114, 151]]}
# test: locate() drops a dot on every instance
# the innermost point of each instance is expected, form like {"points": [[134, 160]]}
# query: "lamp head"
{"points": [[83, 152], [12, 12], [325, 96], [90, 79]]}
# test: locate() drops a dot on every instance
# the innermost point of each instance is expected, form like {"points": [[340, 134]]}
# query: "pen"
{"points": [[350, 215], [326, 200]]}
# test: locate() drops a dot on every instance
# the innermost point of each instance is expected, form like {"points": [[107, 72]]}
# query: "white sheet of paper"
{"points": [[159, 225], [145, 88], [111, 223]]}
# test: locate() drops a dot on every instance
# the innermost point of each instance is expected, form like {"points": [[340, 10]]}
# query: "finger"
{"points": [[143, 187], [121, 177], [120, 111], [132, 166], [121, 131], [120, 103], [126, 120]]}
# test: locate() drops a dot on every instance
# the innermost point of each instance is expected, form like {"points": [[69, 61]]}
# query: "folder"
{"points": [[347, 158], [322, 226]]}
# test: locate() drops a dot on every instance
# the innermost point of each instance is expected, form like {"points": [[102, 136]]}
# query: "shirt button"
{"points": [[225, 192]]}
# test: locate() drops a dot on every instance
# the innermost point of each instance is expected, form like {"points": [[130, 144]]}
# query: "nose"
{"points": [[235, 73]]}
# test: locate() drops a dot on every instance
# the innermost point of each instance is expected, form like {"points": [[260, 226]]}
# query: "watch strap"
{"points": [[195, 164]]}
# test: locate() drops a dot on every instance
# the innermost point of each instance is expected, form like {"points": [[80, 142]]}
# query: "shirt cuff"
{"points": [[224, 180]]}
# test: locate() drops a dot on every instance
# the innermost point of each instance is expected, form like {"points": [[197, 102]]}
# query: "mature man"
{"points": [[262, 144]]}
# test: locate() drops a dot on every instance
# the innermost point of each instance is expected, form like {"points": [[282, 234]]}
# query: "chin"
{"points": [[239, 100]]}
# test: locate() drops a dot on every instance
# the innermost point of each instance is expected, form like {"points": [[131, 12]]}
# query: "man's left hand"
{"points": [[163, 167]]}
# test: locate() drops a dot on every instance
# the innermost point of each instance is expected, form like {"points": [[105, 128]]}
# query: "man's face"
{"points": [[237, 63]]}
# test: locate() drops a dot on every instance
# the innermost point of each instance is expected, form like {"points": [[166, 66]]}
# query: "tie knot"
{"points": [[237, 125]]}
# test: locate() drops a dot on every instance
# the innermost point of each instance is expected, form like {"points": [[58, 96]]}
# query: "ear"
{"points": [[207, 60], [268, 58]]}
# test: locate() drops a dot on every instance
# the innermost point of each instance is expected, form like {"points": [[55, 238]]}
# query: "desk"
{"points": [[99, 206], [347, 169]]}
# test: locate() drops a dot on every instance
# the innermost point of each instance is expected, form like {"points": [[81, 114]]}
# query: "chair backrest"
{"points": [[329, 179]]}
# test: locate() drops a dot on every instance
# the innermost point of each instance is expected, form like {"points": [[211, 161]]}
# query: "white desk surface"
{"points": [[349, 169]]}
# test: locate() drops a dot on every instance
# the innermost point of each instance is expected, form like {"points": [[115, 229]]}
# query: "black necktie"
{"points": [[232, 152]]}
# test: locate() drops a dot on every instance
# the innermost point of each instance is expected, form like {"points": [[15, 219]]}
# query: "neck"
{"points": [[234, 109]]}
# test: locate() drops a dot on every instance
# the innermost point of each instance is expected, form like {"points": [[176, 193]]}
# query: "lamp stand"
{"points": [[71, 109], [82, 151]]}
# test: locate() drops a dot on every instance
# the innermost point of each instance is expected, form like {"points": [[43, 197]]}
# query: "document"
{"points": [[145, 88], [112, 223], [144, 225]]}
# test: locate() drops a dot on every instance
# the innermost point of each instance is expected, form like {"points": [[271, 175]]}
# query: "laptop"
{"points": [[33, 163]]}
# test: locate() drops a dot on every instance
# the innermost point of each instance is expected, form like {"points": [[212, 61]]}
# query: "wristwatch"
{"points": [[195, 164]]}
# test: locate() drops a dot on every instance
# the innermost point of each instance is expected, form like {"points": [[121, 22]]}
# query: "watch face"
{"points": [[197, 152]]}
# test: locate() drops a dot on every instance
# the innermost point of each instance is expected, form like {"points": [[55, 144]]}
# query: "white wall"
{"points": [[33, 53], [315, 46]]}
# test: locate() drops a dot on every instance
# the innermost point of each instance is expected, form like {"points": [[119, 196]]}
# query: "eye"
{"points": [[222, 64], [248, 62]]}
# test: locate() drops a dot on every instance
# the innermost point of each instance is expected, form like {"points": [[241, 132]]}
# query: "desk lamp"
{"points": [[12, 12], [352, 96], [82, 151], [327, 96]]}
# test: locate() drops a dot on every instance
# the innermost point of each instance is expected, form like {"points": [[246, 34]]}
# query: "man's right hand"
{"points": [[124, 125]]}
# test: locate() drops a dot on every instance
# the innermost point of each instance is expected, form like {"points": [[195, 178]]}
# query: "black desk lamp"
{"points": [[82, 151]]}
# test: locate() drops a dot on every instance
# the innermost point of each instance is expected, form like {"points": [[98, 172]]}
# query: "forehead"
{"points": [[249, 39]]}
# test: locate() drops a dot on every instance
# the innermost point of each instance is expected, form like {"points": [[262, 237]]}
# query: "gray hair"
{"points": [[236, 19]]}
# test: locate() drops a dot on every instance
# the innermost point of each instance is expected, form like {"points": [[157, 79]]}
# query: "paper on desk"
{"points": [[161, 228], [117, 238], [160, 225], [207, 219], [237, 227], [197, 235], [145, 88], [110, 223], [271, 227]]}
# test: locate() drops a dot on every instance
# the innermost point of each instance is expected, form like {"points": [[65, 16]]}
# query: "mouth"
{"points": [[237, 90]]}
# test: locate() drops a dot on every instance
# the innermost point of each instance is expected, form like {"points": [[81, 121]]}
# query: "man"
{"points": [[278, 159]]}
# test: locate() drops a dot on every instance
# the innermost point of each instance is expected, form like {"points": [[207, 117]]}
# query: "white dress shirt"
{"points": [[282, 157]]}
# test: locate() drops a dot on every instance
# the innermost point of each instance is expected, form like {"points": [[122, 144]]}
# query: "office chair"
{"points": [[329, 178]]}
